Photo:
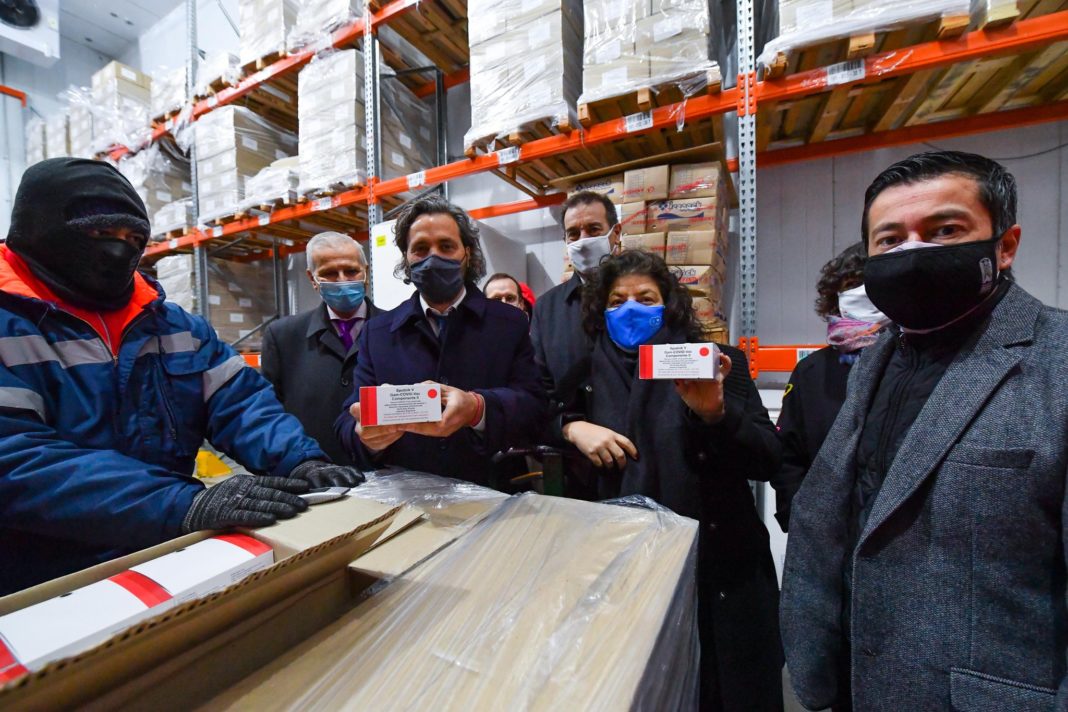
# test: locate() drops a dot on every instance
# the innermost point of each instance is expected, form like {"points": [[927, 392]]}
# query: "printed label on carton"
{"points": [[677, 361], [397, 405]]}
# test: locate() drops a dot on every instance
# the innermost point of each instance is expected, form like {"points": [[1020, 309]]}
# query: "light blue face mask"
{"points": [[342, 297], [632, 324]]}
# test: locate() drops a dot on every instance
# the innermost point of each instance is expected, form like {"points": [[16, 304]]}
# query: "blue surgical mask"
{"points": [[342, 297], [632, 324]]}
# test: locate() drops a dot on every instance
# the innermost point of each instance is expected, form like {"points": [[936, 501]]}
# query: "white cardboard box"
{"points": [[397, 405], [207, 566], [677, 361]]}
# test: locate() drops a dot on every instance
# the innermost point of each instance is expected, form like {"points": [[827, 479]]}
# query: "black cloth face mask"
{"points": [[58, 202], [924, 289], [438, 279]]}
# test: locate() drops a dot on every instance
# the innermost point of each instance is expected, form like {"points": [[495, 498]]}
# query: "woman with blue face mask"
{"points": [[692, 446]]}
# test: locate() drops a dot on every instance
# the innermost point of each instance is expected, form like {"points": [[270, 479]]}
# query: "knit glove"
{"points": [[245, 501], [319, 473]]}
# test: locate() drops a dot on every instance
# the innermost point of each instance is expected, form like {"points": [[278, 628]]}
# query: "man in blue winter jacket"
{"points": [[107, 392]]}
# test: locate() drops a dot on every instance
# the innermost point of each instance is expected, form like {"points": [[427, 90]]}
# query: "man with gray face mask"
{"points": [[591, 232], [926, 562]]}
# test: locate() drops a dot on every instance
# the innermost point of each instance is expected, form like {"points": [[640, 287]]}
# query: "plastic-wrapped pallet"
{"points": [[277, 182], [526, 66], [121, 101], [804, 23], [172, 216], [331, 114], [81, 124], [35, 141], [57, 135], [217, 70], [634, 44], [168, 91], [264, 25], [157, 177], [240, 295], [408, 139], [234, 144], [547, 603], [316, 19]]}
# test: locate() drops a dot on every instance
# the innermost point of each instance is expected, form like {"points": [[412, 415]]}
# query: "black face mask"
{"points": [[924, 289], [438, 279], [57, 203]]}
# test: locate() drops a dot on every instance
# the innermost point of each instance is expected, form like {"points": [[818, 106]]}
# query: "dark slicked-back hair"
{"points": [[997, 187], [844, 271], [678, 305], [436, 205], [588, 197]]}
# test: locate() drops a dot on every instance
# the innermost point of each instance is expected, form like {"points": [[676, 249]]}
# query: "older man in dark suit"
{"points": [[926, 562], [450, 333], [309, 357]]}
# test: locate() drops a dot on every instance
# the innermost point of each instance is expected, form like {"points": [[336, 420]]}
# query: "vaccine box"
{"points": [[399, 405], [207, 566], [677, 361]]}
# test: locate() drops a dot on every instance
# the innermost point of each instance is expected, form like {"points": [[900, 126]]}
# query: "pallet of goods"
{"points": [[217, 71], [173, 220], [160, 177], [35, 140], [638, 55], [233, 145], [121, 103], [408, 140], [526, 70], [57, 135], [81, 123], [264, 25], [168, 93], [331, 123], [316, 19], [273, 187]]}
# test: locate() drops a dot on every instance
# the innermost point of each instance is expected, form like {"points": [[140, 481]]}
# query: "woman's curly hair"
{"points": [[678, 305], [845, 271]]}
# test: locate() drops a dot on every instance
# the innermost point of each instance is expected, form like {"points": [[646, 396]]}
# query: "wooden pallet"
{"points": [[264, 61], [970, 88], [172, 234], [537, 128], [643, 99], [214, 87], [164, 118]]}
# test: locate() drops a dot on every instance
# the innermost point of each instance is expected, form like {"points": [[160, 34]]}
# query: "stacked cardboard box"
{"points": [[331, 115], [264, 26], [240, 295], [35, 141], [233, 144], [57, 135], [630, 45], [408, 140], [217, 68], [168, 91], [172, 216], [81, 128], [277, 182], [526, 64], [122, 100], [157, 178], [609, 186], [316, 19]]}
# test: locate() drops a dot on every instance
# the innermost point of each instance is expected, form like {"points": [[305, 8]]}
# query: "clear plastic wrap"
{"points": [[35, 140], [172, 216], [316, 19], [234, 144], [409, 143], [546, 604], [631, 45], [159, 176], [526, 65], [57, 135], [217, 70], [81, 121], [121, 105], [264, 26], [276, 183], [809, 22], [330, 112], [441, 499], [168, 91]]}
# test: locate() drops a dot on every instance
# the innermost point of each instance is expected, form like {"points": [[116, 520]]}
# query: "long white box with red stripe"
{"points": [[399, 405], [677, 361], [68, 624]]}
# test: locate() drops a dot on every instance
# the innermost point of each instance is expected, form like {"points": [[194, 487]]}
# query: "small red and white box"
{"points": [[207, 566], [674, 362], [73, 622], [400, 405]]}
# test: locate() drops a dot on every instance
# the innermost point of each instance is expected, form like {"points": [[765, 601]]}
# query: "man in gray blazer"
{"points": [[309, 358], [925, 567]]}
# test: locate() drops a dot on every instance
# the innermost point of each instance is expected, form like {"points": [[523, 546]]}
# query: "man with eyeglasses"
{"points": [[309, 357]]}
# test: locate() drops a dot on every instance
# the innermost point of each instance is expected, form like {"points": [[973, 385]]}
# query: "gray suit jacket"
{"points": [[959, 575]]}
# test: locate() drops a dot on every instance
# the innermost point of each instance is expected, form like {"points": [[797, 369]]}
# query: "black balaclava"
{"points": [[58, 201]]}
